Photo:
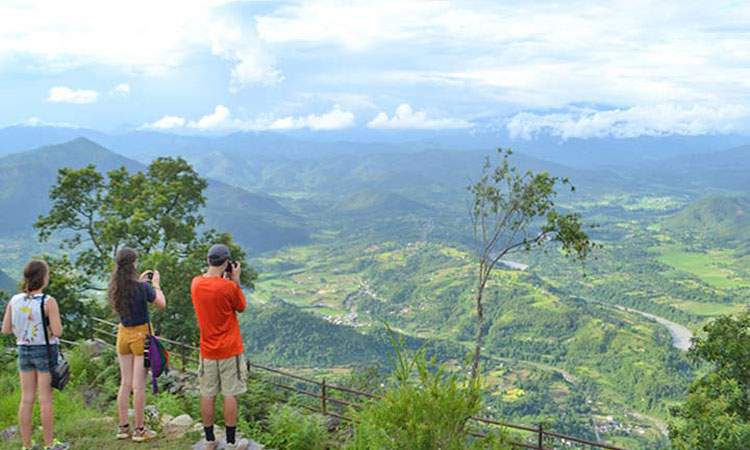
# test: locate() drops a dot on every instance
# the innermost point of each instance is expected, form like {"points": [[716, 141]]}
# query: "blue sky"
{"points": [[569, 69]]}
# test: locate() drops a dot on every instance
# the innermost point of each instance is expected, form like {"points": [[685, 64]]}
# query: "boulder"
{"points": [[10, 433]]}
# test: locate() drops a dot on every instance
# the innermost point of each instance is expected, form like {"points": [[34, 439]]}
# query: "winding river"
{"points": [[681, 335]]}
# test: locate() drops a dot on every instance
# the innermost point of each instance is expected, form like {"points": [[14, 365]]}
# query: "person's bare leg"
{"points": [[207, 410], [139, 390], [126, 381], [26, 407], [44, 382], [230, 411]]}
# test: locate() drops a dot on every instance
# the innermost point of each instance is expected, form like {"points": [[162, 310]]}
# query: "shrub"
{"points": [[290, 429], [431, 413]]}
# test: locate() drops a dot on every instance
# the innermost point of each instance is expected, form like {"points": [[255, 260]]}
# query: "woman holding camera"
{"points": [[129, 295], [24, 318]]}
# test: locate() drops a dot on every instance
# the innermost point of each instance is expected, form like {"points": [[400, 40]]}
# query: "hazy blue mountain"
{"points": [[144, 145], [256, 221], [7, 284]]}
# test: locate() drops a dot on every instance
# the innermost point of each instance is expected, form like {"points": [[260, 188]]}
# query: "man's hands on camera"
{"points": [[235, 274]]}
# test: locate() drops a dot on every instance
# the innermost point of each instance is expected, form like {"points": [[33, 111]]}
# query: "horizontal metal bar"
{"points": [[507, 425]]}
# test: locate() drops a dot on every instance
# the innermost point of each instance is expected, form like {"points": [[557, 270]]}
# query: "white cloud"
{"points": [[165, 123], [241, 46], [140, 36], [406, 118], [63, 94], [656, 120], [219, 119], [122, 89], [37, 122]]}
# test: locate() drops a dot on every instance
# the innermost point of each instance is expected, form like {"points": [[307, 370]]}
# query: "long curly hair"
{"points": [[123, 282]]}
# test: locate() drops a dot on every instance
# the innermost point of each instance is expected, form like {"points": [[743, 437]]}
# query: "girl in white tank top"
{"points": [[26, 310]]}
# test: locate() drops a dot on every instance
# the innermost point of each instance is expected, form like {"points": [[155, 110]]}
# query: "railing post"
{"points": [[323, 397], [541, 438]]}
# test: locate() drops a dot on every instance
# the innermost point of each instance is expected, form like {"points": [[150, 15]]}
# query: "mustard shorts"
{"points": [[131, 340], [226, 376]]}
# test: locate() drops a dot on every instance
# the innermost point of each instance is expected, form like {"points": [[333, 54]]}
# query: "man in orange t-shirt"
{"points": [[217, 298]]}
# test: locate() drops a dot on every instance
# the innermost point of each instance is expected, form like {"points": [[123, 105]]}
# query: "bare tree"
{"points": [[513, 210]]}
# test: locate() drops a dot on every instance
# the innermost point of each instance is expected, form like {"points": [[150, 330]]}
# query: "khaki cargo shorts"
{"points": [[226, 376]]}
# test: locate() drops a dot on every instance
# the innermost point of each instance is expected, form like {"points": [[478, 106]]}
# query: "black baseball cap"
{"points": [[217, 254]]}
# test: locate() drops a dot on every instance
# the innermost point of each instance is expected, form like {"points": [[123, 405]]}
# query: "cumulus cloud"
{"points": [[221, 119], [406, 118], [122, 90], [37, 122], [240, 45], [63, 94], [165, 123], [654, 120]]}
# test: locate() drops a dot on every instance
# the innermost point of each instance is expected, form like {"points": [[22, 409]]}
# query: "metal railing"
{"points": [[331, 397]]}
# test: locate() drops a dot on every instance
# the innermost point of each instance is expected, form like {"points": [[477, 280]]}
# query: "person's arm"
{"points": [[238, 300], [53, 312], [8, 320], [159, 300]]}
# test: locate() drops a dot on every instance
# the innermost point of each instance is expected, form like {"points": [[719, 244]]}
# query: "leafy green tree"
{"points": [[716, 413], [512, 210], [156, 212]]}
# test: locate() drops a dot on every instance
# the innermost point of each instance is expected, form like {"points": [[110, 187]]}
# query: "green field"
{"points": [[715, 268]]}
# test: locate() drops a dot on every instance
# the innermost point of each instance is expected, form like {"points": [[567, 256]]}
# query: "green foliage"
{"points": [[431, 412], [156, 212], [716, 413], [288, 428]]}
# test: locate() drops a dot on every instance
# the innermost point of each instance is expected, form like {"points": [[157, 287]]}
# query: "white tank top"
{"points": [[27, 319]]}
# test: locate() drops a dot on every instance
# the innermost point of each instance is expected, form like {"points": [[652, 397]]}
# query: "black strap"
{"points": [[46, 338]]}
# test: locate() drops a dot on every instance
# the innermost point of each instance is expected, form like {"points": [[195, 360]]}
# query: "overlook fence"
{"points": [[332, 400]]}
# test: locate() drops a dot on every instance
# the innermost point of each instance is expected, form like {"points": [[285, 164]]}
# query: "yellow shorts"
{"points": [[131, 340], [228, 376]]}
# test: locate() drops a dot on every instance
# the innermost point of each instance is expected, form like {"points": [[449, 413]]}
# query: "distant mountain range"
{"points": [[256, 221], [582, 153]]}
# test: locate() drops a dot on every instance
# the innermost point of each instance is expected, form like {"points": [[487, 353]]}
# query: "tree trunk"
{"points": [[480, 332]]}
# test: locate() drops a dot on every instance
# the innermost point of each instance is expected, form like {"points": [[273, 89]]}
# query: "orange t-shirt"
{"points": [[216, 302]]}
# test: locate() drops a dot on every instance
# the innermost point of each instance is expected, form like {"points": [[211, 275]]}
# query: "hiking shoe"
{"points": [[57, 445], [124, 432], [210, 445], [242, 444], [144, 434]]}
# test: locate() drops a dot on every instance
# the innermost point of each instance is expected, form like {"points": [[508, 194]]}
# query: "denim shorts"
{"points": [[34, 357]]}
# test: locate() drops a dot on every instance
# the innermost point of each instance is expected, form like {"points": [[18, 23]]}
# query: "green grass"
{"points": [[710, 309], [714, 268]]}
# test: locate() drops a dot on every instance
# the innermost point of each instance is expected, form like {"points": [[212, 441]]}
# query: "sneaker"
{"points": [[210, 445], [34, 447], [144, 434], [124, 432], [242, 444], [57, 445]]}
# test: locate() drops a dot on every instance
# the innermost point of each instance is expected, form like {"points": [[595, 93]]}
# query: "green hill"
{"points": [[256, 221], [379, 202], [286, 335], [715, 219]]}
